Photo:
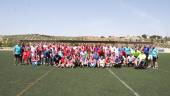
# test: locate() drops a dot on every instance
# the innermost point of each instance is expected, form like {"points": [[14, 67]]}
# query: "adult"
{"points": [[17, 53], [154, 57]]}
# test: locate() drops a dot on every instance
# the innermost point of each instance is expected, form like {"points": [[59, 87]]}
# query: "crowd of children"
{"points": [[86, 55]]}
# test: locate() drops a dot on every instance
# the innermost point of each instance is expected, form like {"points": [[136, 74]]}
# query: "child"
{"points": [[112, 60], [70, 63], [25, 56], [34, 60], [63, 62], [118, 62], [108, 63], [84, 61], [102, 62], [130, 60], [92, 63]]}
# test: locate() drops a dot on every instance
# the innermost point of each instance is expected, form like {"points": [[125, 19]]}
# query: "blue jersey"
{"points": [[146, 50], [121, 49], [155, 52], [47, 53], [96, 56], [128, 51], [117, 60], [17, 49], [150, 51]]}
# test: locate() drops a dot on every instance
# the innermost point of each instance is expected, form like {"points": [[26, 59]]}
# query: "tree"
{"points": [[155, 37], [144, 36], [102, 37]]}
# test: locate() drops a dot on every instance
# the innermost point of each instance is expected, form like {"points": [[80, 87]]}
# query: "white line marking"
{"points": [[134, 92], [33, 83]]}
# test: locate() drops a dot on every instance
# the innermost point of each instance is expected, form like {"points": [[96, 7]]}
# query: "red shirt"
{"points": [[123, 53], [107, 60], [62, 60]]}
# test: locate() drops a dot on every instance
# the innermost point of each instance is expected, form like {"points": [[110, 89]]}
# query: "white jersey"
{"points": [[116, 51], [33, 49], [112, 49], [102, 61]]}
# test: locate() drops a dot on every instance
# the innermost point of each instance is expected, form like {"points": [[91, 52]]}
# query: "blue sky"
{"points": [[85, 17]]}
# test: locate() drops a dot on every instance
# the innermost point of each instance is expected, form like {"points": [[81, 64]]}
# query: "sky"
{"points": [[85, 17]]}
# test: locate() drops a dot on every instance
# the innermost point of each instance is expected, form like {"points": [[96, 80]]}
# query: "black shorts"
{"points": [[17, 55], [154, 59], [127, 55], [147, 54]]}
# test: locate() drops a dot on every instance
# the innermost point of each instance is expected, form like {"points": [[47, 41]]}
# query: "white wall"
{"points": [[5, 48], [164, 50]]}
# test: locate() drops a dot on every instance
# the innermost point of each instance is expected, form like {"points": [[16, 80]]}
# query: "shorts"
{"points": [[108, 64], [127, 55], [69, 65], [130, 62], [84, 64], [17, 55], [92, 65], [34, 63], [147, 55], [150, 57], [154, 59], [102, 64]]}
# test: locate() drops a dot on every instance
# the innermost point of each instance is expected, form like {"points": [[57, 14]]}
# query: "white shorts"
{"points": [[150, 57], [109, 64], [102, 64]]}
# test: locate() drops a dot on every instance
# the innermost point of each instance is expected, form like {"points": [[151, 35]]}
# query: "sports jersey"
{"points": [[128, 51], [154, 52], [116, 52], [60, 53], [142, 56], [146, 50], [136, 53], [17, 49]]}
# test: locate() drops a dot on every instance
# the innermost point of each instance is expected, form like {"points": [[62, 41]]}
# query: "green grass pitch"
{"points": [[23, 80]]}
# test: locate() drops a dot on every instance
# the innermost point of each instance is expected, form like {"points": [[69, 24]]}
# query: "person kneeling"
{"points": [[34, 60], [118, 62], [101, 62], [63, 62], [140, 61], [130, 60], [70, 63], [108, 62], [92, 63]]}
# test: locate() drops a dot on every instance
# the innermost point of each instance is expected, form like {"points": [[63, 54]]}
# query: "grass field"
{"points": [[23, 80]]}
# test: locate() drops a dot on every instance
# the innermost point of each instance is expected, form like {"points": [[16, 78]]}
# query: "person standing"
{"points": [[146, 52], [154, 57], [17, 54]]}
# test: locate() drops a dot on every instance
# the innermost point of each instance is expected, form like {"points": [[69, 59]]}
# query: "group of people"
{"points": [[86, 55]]}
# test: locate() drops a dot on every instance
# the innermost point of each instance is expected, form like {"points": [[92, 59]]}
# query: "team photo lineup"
{"points": [[84, 48], [63, 55]]}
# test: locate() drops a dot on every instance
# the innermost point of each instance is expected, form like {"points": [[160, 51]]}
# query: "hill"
{"points": [[10, 40]]}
